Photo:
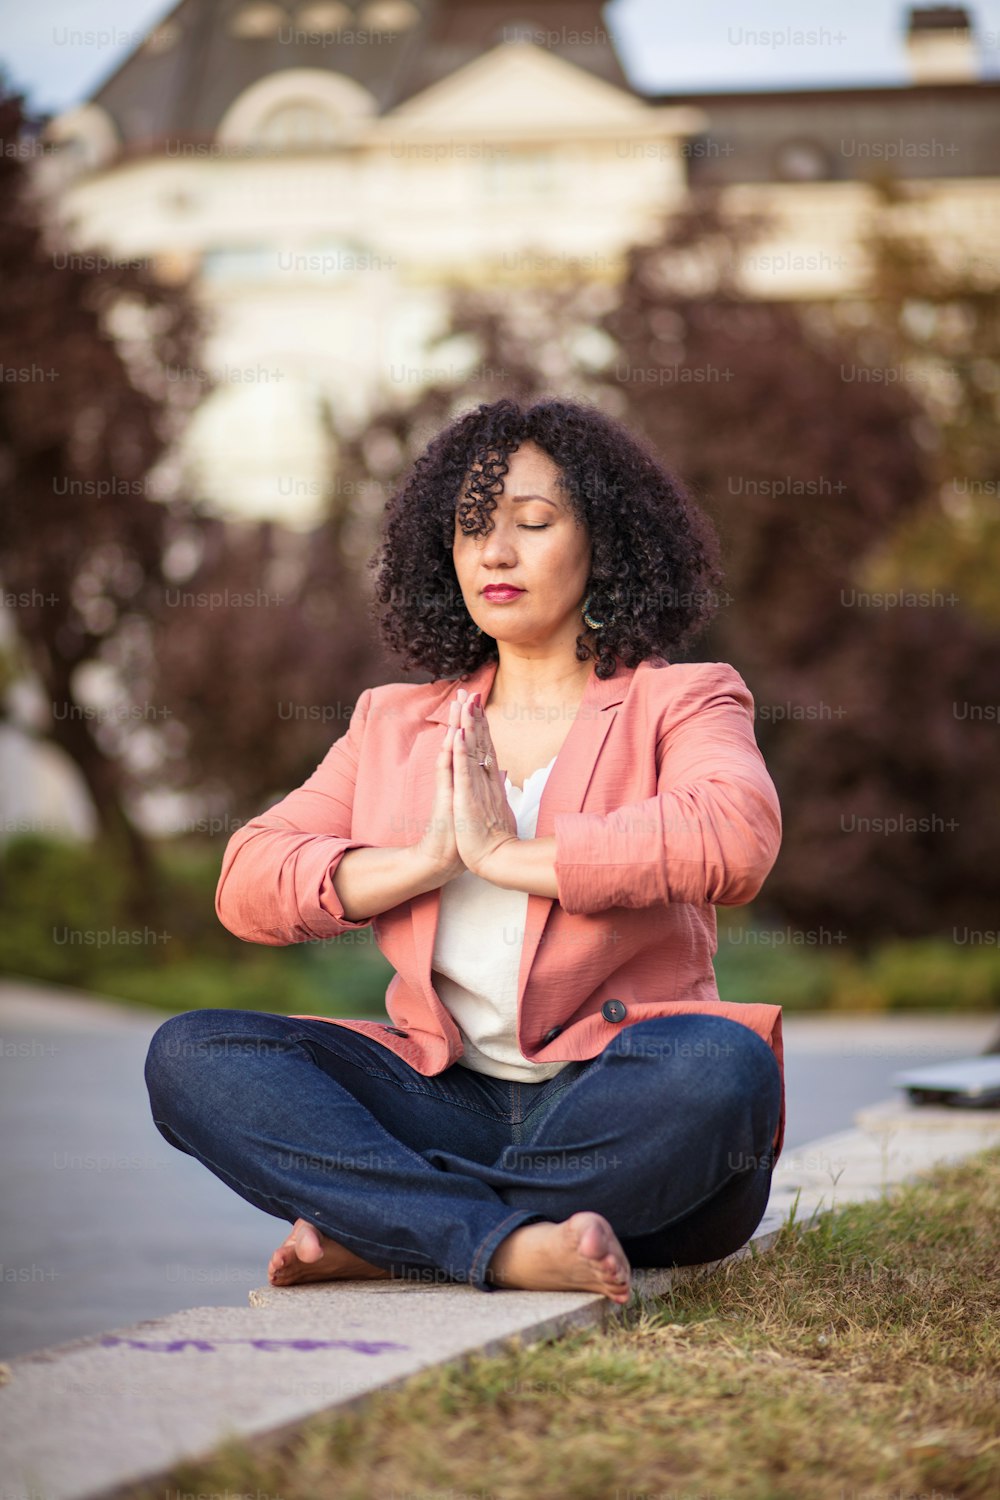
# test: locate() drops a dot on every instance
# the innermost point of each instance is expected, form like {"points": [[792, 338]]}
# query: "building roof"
{"points": [[182, 81], [844, 134], [184, 76]]}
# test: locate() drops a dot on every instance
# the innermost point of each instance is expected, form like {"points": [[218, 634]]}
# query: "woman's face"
{"points": [[536, 545]]}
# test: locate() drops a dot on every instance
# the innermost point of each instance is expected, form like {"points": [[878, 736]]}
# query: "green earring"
{"points": [[594, 624]]}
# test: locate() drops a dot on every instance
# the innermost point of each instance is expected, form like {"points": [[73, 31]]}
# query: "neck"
{"points": [[525, 680]]}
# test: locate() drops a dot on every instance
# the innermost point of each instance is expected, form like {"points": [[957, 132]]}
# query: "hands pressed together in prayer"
{"points": [[471, 818]]}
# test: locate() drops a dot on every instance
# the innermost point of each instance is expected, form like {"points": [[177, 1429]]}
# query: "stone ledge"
{"points": [[129, 1405], [892, 1115]]}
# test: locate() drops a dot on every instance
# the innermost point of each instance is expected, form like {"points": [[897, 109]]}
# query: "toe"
{"points": [[308, 1246], [592, 1243], [281, 1254], [281, 1261]]}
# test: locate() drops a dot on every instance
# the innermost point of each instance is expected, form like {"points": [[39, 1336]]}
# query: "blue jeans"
{"points": [[667, 1132]]}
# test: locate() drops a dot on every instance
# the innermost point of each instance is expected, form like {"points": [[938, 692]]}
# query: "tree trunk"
{"points": [[117, 831]]}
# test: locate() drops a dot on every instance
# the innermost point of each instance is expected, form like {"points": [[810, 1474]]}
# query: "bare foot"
{"points": [[309, 1255], [582, 1254]]}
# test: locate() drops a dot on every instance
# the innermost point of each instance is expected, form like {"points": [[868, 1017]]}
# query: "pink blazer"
{"points": [[661, 807]]}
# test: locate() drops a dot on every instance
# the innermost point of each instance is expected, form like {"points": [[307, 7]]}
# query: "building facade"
{"points": [[326, 172]]}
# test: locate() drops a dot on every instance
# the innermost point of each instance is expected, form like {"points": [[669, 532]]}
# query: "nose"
{"points": [[498, 547]]}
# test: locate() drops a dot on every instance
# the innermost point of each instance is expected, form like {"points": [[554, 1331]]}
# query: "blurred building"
{"points": [[809, 157], [326, 171]]}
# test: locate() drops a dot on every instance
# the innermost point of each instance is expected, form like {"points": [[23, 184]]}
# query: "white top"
{"points": [[477, 956]]}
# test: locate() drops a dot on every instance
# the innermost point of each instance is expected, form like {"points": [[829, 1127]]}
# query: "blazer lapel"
{"points": [[564, 791]]}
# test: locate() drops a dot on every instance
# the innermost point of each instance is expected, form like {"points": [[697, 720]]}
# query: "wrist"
{"points": [[428, 872], [496, 867]]}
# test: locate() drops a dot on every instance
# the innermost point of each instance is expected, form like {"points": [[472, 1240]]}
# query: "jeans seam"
{"points": [[423, 1093], [544, 1103]]}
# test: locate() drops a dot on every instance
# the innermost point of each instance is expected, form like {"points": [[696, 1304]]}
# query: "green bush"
{"points": [[929, 973], [779, 967], [64, 920]]}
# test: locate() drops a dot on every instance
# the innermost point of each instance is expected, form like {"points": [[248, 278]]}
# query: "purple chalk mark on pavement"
{"points": [[174, 1346]]}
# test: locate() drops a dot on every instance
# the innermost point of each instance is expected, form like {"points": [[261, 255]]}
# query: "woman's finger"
{"points": [[480, 731], [467, 728], [445, 754], [484, 741]]}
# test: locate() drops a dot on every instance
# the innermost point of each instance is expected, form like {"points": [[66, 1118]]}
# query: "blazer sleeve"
{"points": [[712, 832], [276, 885]]}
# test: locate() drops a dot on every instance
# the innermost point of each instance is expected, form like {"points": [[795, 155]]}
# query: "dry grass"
{"points": [[855, 1361]]}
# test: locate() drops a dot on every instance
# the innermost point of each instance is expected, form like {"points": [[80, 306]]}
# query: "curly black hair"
{"points": [[654, 571]]}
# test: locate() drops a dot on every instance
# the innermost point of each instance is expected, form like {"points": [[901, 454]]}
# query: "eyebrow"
{"points": [[517, 499]]}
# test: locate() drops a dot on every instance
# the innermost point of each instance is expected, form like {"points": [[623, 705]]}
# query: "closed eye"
{"points": [[525, 527]]}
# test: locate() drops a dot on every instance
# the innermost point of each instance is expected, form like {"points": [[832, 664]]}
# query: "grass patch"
{"points": [[854, 1361]]}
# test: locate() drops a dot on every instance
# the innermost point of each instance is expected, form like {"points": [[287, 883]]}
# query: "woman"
{"points": [[538, 838]]}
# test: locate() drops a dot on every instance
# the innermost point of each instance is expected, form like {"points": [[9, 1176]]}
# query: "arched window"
{"points": [[257, 20], [388, 15], [300, 122], [324, 15], [296, 108]]}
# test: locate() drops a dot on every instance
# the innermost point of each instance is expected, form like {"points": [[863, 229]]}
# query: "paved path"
{"points": [[80, 1422], [105, 1223], [836, 1065]]}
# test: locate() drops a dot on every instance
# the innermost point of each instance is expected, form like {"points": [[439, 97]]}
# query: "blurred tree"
{"points": [[932, 320], [812, 464], [175, 650], [262, 644], [809, 469], [84, 415]]}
